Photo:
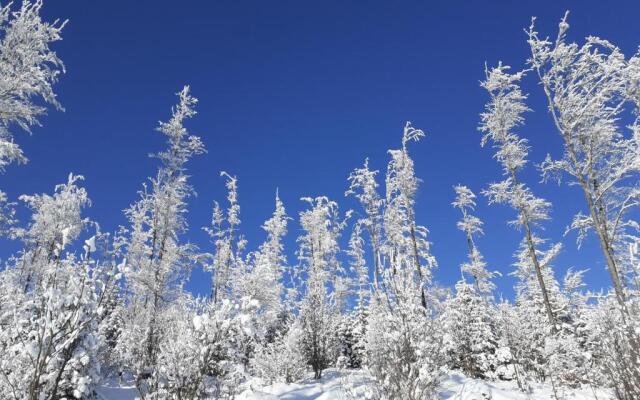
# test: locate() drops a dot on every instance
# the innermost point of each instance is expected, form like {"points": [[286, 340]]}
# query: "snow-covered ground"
{"points": [[114, 391], [330, 387]]}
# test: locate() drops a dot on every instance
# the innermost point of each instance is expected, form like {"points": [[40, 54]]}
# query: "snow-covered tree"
{"points": [[403, 343], [531, 312], [281, 360], [613, 354], [503, 113], [354, 325], [50, 303], [156, 260], [470, 335], [28, 71], [521, 330], [317, 254], [470, 339], [363, 186], [201, 352], [589, 90], [404, 347], [228, 268], [471, 225], [264, 281], [56, 221], [406, 249]]}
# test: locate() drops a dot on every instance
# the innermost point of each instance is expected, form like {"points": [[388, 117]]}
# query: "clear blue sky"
{"points": [[294, 95]]}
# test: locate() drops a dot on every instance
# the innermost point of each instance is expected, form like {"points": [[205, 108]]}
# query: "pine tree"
{"points": [[470, 337]]}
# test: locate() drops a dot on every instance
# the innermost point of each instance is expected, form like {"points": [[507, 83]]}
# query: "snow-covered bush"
{"points": [[523, 330], [51, 302], [404, 351], [351, 339], [615, 352], [201, 351], [470, 339], [281, 360], [48, 340]]}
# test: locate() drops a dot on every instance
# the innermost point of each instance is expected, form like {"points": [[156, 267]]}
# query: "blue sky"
{"points": [[294, 95]]}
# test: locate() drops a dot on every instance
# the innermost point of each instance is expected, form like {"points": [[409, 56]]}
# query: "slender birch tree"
{"points": [[589, 88], [503, 113]]}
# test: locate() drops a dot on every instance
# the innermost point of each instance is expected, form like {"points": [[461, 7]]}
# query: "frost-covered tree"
{"points": [[521, 330], [559, 356], [50, 303], [354, 325], [406, 249], [56, 221], [612, 351], [282, 359], [264, 281], [358, 265], [471, 225], [593, 97], [156, 260], [363, 186], [589, 89], [531, 310], [403, 343], [201, 352], [503, 113], [28, 71], [470, 339], [228, 266], [470, 334], [404, 346], [319, 266]]}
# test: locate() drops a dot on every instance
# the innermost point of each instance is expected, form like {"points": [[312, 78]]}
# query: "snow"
{"points": [[455, 387], [459, 387], [327, 388], [113, 391]]}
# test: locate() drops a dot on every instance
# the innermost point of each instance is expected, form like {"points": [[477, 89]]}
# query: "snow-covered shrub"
{"points": [[404, 351], [201, 351], [523, 330], [281, 360], [505, 369], [470, 339], [615, 349], [566, 360], [350, 336], [48, 339], [50, 303]]}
